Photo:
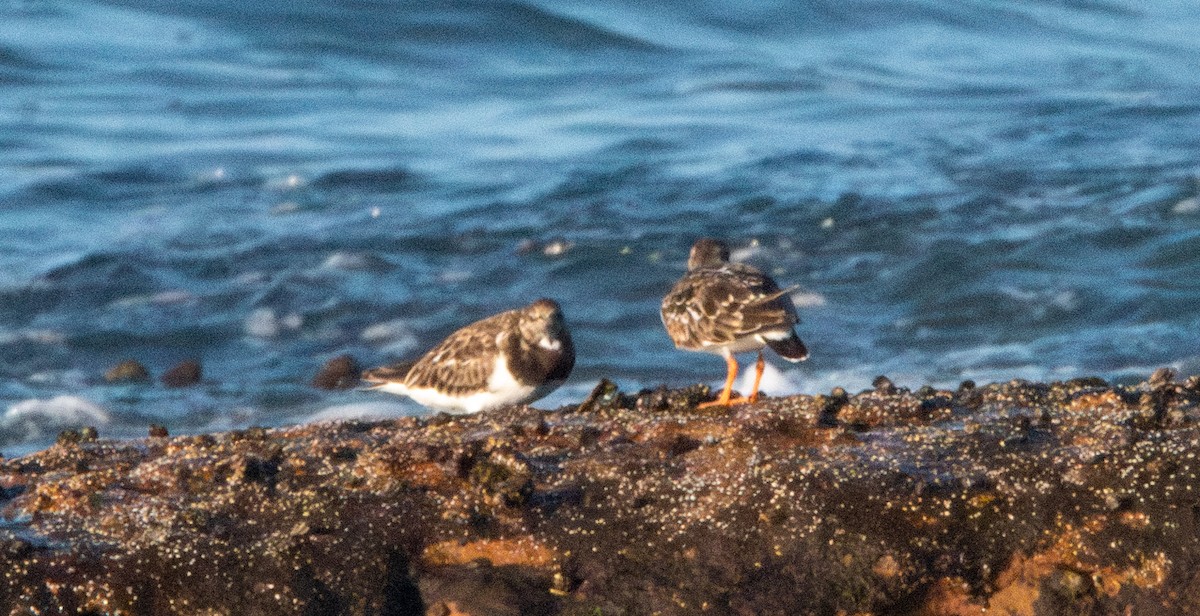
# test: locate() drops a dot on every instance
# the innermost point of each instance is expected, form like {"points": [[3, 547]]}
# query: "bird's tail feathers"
{"points": [[776, 295], [790, 348], [393, 373]]}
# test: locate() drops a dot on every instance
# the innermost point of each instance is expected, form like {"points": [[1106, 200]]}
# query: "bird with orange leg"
{"points": [[727, 308]]}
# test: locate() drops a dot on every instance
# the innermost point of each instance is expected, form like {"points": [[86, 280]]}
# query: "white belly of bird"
{"points": [[502, 389], [749, 343]]}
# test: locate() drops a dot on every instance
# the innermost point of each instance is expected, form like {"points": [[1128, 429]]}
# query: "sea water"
{"points": [[980, 190]]}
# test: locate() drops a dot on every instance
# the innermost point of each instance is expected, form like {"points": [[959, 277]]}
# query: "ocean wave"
{"points": [[38, 419]]}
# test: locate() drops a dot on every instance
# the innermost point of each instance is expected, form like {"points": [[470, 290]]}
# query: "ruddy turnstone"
{"points": [[514, 357], [726, 308]]}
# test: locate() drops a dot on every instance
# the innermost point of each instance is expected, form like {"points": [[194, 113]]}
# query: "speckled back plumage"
{"points": [[720, 305], [462, 363], [533, 342]]}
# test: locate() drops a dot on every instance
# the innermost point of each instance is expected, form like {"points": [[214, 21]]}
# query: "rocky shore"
{"points": [[1075, 497]]}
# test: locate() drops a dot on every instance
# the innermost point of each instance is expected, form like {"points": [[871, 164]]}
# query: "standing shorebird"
{"points": [[514, 357], [726, 308]]}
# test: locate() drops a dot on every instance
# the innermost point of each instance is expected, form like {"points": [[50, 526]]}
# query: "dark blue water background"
{"points": [[982, 189]]}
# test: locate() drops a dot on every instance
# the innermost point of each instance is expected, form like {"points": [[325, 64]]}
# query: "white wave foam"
{"points": [[383, 409], [264, 323], [36, 419], [164, 298], [741, 254], [40, 336], [774, 381], [354, 261], [72, 378], [395, 337], [808, 299], [1191, 205], [345, 261]]}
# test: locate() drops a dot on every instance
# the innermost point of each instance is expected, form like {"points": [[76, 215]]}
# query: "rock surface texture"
{"points": [[1022, 498]]}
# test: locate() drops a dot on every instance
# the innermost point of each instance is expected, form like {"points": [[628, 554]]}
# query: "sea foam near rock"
{"points": [[36, 418]]}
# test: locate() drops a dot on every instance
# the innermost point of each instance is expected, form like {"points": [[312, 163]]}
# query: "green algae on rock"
{"points": [[1075, 497]]}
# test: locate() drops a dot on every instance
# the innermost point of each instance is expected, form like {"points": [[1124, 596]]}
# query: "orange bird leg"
{"points": [[758, 372], [723, 400]]}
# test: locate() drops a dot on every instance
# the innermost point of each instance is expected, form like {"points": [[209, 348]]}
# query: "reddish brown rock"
{"points": [[341, 372], [1018, 498], [184, 374]]}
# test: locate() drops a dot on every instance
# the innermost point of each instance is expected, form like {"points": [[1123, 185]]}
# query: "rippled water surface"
{"points": [[984, 190]]}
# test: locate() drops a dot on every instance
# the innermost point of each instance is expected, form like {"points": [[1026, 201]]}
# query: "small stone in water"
{"points": [[183, 374], [128, 371], [341, 372]]}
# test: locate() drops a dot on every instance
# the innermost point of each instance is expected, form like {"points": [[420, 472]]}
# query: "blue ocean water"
{"points": [[984, 189]]}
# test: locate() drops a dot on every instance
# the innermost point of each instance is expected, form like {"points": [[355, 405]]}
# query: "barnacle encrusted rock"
{"points": [[1076, 497]]}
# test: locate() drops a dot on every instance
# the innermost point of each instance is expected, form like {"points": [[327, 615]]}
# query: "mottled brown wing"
{"points": [[714, 307], [767, 306], [464, 361]]}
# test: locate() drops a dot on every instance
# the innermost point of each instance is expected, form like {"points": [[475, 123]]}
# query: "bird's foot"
{"points": [[729, 402]]}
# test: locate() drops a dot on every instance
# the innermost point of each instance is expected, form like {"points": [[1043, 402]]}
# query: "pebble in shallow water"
{"points": [[341, 372], [184, 374], [128, 371]]}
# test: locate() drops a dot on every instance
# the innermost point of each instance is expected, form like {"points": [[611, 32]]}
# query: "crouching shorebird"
{"points": [[514, 357], [726, 308]]}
